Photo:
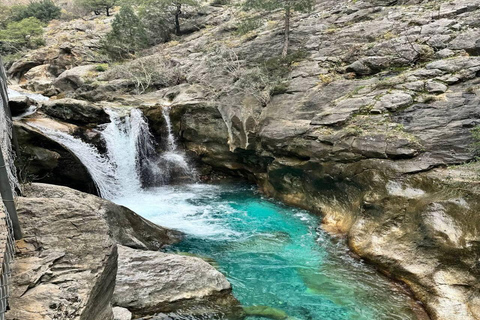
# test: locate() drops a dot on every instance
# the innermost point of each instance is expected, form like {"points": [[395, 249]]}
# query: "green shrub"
{"points": [[43, 10], [279, 88], [23, 34], [5, 16], [158, 23], [248, 25], [476, 140], [219, 3], [280, 67], [128, 35], [101, 67]]}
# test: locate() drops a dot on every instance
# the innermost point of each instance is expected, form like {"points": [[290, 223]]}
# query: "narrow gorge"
{"points": [[209, 176]]}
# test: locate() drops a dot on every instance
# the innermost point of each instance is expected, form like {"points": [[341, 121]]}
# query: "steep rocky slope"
{"points": [[376, 99]]}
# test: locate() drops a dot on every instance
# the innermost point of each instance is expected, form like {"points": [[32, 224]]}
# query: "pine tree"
{"points": [[97, 5], [288, 7], [171, 7], [22, 34], [43, 10], [127, 36]]}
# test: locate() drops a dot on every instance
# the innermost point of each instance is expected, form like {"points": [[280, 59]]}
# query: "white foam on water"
{"points": [[35, 96], [177, 207]]}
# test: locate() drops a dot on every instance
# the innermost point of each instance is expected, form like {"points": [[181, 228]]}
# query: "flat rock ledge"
{"points": [[151, 282]]}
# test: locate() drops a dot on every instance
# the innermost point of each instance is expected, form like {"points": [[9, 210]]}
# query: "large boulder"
{"points": [[67, 261], [152, 282], [39, 79], [75, 111], [72, 79], [125, 226]]}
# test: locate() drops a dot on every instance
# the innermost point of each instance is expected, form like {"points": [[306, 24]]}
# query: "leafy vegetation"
{"points": [[97, 6], [248, 25], [153, 22], [26, 33], [476, 140], [43, 10], [280, 67], [172, 9], [128, 35]]}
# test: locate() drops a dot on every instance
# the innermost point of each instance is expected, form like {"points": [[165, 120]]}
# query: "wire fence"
{"points": [[8, 186]]}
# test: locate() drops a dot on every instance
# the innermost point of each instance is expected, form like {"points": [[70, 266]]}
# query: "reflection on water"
{"points": [[279, 262]]}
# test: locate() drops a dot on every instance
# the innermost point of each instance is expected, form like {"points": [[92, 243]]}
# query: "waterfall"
{"points": [[127, 139], [101, 169], [174, 161], [131, 161]]}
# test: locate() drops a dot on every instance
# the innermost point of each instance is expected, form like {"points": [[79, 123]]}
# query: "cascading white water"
{"points": [[131, 160], [102, 170], [173, 159], [125, 137]]}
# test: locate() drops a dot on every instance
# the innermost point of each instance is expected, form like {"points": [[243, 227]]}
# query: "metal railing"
{"points": [[9, 224]]}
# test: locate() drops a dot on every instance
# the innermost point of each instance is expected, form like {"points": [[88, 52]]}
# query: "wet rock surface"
{"points": [[75, 111], [44, 160], [20, 104]]}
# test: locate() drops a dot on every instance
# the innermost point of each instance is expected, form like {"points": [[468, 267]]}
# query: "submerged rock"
{"points": [[154, 282], [266, 312]]}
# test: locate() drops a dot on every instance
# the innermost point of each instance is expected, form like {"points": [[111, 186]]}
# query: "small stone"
{"points": [[120, 313], [394, 101], [359, 68], [435, 87], [414, 86], [449, 79], [445, 53]]}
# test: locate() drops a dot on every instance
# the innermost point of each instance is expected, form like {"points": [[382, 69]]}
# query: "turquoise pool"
{"points": [[274, 255]]}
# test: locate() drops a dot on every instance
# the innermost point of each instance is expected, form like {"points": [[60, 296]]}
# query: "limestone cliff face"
{"points": [[379, 96], [385, 94]]}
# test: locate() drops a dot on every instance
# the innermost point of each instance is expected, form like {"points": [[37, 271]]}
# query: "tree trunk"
{"points": [[287, 32], [178, 12], [108, 11]]}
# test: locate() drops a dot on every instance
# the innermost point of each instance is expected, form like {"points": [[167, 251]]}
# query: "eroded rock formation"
{"points": [[67, 262]]}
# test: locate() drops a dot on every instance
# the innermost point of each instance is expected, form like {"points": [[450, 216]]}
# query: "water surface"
{"points": [[273, 255]]}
